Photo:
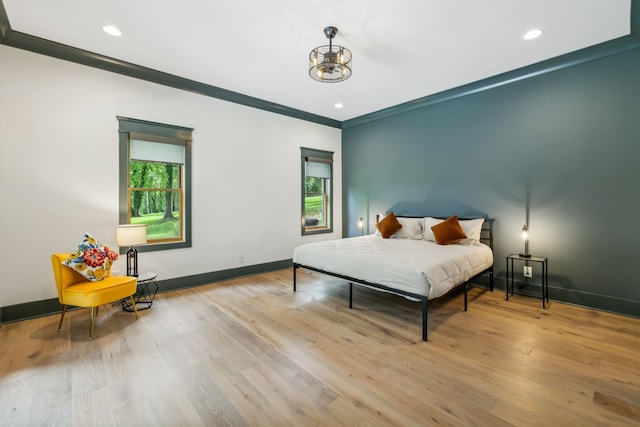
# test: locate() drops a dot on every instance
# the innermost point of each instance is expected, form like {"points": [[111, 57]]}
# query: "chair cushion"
{"points": [[93, 294]]}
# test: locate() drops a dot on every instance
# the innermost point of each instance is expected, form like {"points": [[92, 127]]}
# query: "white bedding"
{"points": [[417, 266]]}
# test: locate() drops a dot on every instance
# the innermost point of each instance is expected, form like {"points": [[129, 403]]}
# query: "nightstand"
{"points": [[526, 260], [146, 292]]}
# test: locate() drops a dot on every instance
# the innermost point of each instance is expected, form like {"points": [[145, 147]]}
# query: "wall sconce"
{"points": [[361, 225], [131, 235], [525, 237]]}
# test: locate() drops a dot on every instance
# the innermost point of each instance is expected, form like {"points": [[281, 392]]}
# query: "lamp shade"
{"points": [[131, 234]]}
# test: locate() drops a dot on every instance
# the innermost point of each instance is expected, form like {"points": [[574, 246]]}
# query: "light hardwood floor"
{"points": [[252, 352]]}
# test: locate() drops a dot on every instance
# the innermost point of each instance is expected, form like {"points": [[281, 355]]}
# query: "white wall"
{"points": [[59, 172]]}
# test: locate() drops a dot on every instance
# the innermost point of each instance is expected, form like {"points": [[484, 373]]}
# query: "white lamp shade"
{"points": [[131, 234]]}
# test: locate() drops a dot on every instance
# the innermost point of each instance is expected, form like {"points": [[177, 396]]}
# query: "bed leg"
{"points": [[491, 280], [350, 295], [295, 268], [466, 287], [424, 319]]}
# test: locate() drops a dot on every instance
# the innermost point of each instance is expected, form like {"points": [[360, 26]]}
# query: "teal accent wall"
{"points": [[558, 151]]}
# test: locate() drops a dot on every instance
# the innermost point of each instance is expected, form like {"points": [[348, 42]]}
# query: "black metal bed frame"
{"points": [[486, 236]]}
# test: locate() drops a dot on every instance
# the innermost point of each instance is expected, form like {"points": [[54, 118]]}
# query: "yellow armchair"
{"points": [[75, 289]]}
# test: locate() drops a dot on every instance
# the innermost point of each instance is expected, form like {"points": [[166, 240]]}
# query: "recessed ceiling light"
{"points": [[111, 30], [338, 105], [532, 34]]}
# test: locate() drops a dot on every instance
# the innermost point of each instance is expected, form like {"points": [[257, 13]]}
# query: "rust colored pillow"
{"points": [[448, 231], [388, 225]]}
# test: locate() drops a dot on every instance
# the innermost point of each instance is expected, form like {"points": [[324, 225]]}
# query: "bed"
{"points": [[409, 262]]}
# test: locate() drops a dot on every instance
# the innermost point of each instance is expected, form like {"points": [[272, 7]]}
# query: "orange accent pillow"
{"points": [[388, 225], [448, 231]]}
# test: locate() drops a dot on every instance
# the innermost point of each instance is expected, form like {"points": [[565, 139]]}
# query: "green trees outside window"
{"points": [[315, 204], [155, 198]]}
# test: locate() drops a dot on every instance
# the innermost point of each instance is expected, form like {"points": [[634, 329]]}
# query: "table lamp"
{"points": [[131, 235], [525, 237]]}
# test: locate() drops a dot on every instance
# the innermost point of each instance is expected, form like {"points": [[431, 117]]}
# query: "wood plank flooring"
{"points": [[251, 352]]}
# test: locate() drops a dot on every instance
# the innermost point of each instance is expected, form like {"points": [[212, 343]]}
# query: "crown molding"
{"points": [[571, 59], [42, 46], [602, 50], [19, 40]]}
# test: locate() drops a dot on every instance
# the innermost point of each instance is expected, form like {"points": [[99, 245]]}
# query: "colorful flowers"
{"points": [[112, 255], [99, 273], [93, 257]]}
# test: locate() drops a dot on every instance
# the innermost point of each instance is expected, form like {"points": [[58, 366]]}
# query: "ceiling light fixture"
{"points": [[329, 63], [532, 34], [338, 105], [111, 30]]}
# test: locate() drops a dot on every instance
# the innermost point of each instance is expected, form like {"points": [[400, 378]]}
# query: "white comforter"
{"points": [[417, 266]]}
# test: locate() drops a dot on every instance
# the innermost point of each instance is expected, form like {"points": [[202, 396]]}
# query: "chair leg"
{"points": [[64, 309], [133, 304], [93, 320]]}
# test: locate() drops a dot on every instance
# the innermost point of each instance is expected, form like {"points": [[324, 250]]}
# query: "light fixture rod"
{"points": [[330, 32]]}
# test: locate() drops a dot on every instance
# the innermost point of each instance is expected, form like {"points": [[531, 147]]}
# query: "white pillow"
{"points": [[471, 227], [411, 228], [427, 223]]}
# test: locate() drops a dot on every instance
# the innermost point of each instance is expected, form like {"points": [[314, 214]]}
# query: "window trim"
{"points": [[318, 156], [154, 132]]}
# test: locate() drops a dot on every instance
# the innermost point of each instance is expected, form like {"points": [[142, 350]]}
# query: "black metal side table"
{"points": [[545, 274], [146, 292]]}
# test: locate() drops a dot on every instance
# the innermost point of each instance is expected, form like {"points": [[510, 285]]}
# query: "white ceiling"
{"points": [[402, 50]]}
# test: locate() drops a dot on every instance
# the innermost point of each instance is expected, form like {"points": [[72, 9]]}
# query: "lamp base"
{"points": [[524, 255], [132, 262]]}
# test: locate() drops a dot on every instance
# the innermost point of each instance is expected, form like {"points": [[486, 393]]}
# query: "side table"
{"points": [[545, 274], [145, 293]]}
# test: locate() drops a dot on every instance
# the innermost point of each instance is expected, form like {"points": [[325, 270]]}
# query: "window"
{"points": [[317, 191], [155, 181]]}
